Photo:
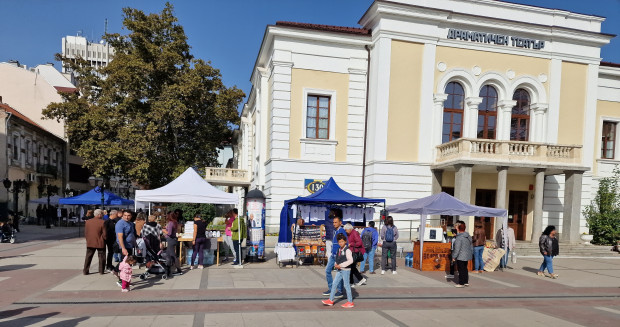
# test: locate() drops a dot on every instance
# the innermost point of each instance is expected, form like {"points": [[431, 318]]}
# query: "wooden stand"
{"points": [[436, 257]]}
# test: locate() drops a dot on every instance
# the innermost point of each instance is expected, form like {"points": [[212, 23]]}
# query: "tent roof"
{"points": [[93, 197], [332, 193], [53, 200], [187, 188], [445, 204]]}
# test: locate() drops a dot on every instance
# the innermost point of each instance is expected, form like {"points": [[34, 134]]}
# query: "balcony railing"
{"points": [[227, 176], [508, 151], [47, 169]]}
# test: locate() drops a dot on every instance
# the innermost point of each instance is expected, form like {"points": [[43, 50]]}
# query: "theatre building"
{"points": [[500, 104]]}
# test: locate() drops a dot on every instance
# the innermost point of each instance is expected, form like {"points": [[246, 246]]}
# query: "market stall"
{"points": [[189, 187], [314, 209], [435, 256], [94, 197]]}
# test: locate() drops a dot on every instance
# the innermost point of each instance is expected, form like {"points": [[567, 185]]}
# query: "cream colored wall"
{"points": [[303, 78], [603, 109], [29, 94], [572, 103], [490, 61], [404, 102]]}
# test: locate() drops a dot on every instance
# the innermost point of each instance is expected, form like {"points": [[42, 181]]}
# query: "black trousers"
{"points": [[237, 251], [355, 272], [463, 272], [108, 261], [89, 258]]}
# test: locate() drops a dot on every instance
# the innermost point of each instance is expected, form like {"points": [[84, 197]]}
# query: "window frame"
{"points": [[331, 131], [520, 117], [317, 118], [452, 111], [614, 139], [486, 113]]}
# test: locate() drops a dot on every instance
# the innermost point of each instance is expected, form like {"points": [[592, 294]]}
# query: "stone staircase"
{"points": [[529, 249]]}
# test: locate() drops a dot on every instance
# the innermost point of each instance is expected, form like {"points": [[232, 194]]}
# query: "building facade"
{"points": [[499, 104], [97, 54]]}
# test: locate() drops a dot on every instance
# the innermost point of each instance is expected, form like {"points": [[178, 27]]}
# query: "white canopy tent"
{"points": [[187, 188]]}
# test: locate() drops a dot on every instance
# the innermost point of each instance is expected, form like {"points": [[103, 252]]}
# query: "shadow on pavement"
{"points": [[149, 282], [15, 267], [530, 269], [14, 312], [15, 256], [31, 320]]}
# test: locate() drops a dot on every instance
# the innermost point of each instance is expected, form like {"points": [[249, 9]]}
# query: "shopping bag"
{"points": [[514, 257]]}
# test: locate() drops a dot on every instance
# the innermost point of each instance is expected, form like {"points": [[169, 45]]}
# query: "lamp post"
{"points": [[19, 186], [94, 181]]}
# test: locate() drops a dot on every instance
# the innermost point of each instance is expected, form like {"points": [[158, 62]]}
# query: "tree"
{"points": [[154, 110], [603, 213]]}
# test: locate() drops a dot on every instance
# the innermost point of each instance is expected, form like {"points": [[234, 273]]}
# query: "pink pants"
{"points": [[126, 284]]}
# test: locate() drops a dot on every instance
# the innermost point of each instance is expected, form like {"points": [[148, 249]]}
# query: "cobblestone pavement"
{"points": [[42, 285]]}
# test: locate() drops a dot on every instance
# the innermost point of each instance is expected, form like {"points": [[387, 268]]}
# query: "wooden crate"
{"points": [[436, 257]]}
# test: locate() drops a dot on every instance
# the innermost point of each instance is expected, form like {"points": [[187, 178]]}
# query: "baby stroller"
{"points": [[155, 263], [7, 234]]}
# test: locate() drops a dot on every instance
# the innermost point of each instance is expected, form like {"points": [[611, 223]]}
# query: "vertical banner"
{"points": [[256, 222]]}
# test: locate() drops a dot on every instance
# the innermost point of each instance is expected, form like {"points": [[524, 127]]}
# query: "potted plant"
{"points": [[586, 238]]}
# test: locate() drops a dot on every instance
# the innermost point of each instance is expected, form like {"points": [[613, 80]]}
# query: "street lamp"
{"points": [[48, 190], [94, 181], [19, 186]]}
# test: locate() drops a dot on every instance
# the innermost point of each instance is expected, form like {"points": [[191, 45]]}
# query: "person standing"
{"points": [[329, 232], [228, 235], [239, 233], [172, 241], [39, 215], [462, 253], [110, 227], [549, 248], [480, 239], [95, 235], [199, 241], [389, 235], [371, 233], [140, 245], [337, 223], [357, 248], [344, 260], [505, 240]]}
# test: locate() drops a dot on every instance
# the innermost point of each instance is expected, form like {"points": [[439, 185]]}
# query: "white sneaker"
{"points": [[449, 276], [362, 282], [382, 272], [394, 272]]}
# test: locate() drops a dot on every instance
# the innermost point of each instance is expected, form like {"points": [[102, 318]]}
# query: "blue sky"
{"points": [[228, 33]]}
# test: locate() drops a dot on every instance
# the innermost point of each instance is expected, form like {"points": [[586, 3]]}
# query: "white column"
{"points": [[539, 190], [437, 122], [356, 114], [504, 113], [280, 108], [537, 124], [500, 195], [379, 99], [470, 123]]}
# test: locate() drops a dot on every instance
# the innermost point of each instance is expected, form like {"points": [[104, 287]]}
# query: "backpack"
{"points": [[389, 234], [367, 239]]}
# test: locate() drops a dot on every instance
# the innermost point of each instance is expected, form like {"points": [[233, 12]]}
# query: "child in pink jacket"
{"points": [[126, 271]]}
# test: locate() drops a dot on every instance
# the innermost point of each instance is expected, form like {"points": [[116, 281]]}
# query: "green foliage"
{"points": [[603, 214], [191, 209], [157, 111]]}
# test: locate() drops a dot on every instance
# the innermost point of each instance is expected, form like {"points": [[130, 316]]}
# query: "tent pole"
{"points": [[421, 237]]}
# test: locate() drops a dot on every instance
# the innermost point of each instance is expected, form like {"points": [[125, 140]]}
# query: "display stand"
{"points": [[310, 245], [435, 257]]}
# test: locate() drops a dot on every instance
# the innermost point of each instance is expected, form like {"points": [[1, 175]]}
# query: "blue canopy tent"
{"points": [[444, 204], [330, 194], [93, 197]]}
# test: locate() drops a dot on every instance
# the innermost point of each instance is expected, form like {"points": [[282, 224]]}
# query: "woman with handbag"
{"points": [[357, 249]]}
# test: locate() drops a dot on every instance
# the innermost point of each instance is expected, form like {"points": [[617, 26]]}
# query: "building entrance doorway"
{"points": [[517, 213], [486, 198]]}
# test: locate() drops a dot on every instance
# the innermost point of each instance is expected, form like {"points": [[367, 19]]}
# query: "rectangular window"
{"points": [[317, 117], [16, 147], [608, 141]]}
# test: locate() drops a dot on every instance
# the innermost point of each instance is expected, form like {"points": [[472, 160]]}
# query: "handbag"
{"points": [[514, 257], [358, 257]]}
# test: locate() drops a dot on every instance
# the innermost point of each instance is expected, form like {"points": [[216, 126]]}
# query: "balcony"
{"points": [[227, 176], [508, 153], [48, 170]]}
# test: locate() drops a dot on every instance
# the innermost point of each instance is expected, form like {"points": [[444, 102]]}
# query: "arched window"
{"points": [[453, 113], [520, 119], [487, 113]]}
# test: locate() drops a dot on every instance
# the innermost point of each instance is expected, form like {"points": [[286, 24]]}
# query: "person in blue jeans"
{"points": [[548, 248], [337, 222], [480, 239], [370, 252]]}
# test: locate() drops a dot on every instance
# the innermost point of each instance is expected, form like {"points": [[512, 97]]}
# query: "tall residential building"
{"points": [[501, 104], [97, 54]]}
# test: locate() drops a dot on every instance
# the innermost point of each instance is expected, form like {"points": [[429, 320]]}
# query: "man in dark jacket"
{"points": [[95, 235], [462, 253], [110, 226]]}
